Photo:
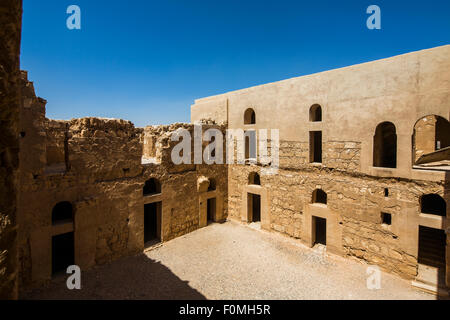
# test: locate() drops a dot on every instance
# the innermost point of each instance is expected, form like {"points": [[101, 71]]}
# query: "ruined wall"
{"points": [[56, 134], [100, 166], [180, 197], [10, 34], [102, 180]]}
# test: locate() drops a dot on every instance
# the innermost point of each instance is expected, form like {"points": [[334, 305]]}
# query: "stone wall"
{"points": [[342, 155], [354, 101], [354, 201], [100, 166], [10, 34]]}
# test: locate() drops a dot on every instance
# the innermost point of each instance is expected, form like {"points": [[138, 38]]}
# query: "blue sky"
{"points": [[146, 61]]}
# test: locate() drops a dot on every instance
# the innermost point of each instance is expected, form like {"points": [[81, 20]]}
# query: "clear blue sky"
{"points": [[146, 61]]}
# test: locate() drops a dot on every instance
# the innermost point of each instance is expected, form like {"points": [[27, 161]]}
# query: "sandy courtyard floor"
{"points": [[230, 261]]}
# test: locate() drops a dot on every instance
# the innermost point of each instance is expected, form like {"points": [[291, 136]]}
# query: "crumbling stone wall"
{"points": [[103, 173], [180, 197], [56, 145], [10, 30]]}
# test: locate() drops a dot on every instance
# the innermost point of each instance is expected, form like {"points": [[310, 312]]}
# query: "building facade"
{"points": [[351, 150]]}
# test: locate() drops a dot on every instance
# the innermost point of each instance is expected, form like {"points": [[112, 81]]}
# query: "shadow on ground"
{"points": [[136, 277]]}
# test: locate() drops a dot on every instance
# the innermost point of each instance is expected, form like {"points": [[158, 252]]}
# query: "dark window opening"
{"points": [[152, 186], [254, 178], [442, 133], [319, 196], [320, 230], [386, 218], [62, 212], [433, 204], [315, 146], [63, 252], [152, 222], [386, 192], [315, 113], [249, 116], [212, 185], [385, 146]]}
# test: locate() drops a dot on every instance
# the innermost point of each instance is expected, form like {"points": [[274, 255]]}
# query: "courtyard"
{"points": [[230, 261]]}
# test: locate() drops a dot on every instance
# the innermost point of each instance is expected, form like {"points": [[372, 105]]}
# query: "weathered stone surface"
{"points": [[10, 29], [98, 165], [411, 91], [101, 166]]}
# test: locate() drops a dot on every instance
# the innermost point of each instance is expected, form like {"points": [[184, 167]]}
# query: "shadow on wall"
{"points": [[137, 278]]}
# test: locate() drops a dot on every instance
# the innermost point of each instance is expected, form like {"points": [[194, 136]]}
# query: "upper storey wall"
{"points": [[354, 101]]}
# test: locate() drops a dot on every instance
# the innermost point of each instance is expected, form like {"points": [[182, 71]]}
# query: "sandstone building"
{"points": [[364, 169], [364, 161]]}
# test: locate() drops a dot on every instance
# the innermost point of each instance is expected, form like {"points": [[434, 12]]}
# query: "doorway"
{"points": [[63, 252], [320, 231], [431, 256], [432, 247], [152, 222], [254, 207], [211, 210]]}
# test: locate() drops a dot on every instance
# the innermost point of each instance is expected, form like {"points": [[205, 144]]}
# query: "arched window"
{"points": [[431, 133], [212, 185], [315, 113], [62, 212], [254, 178], [319, 196], [249, 116], [433, 204], [385, 146], [442, 133], [152, 186]]}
